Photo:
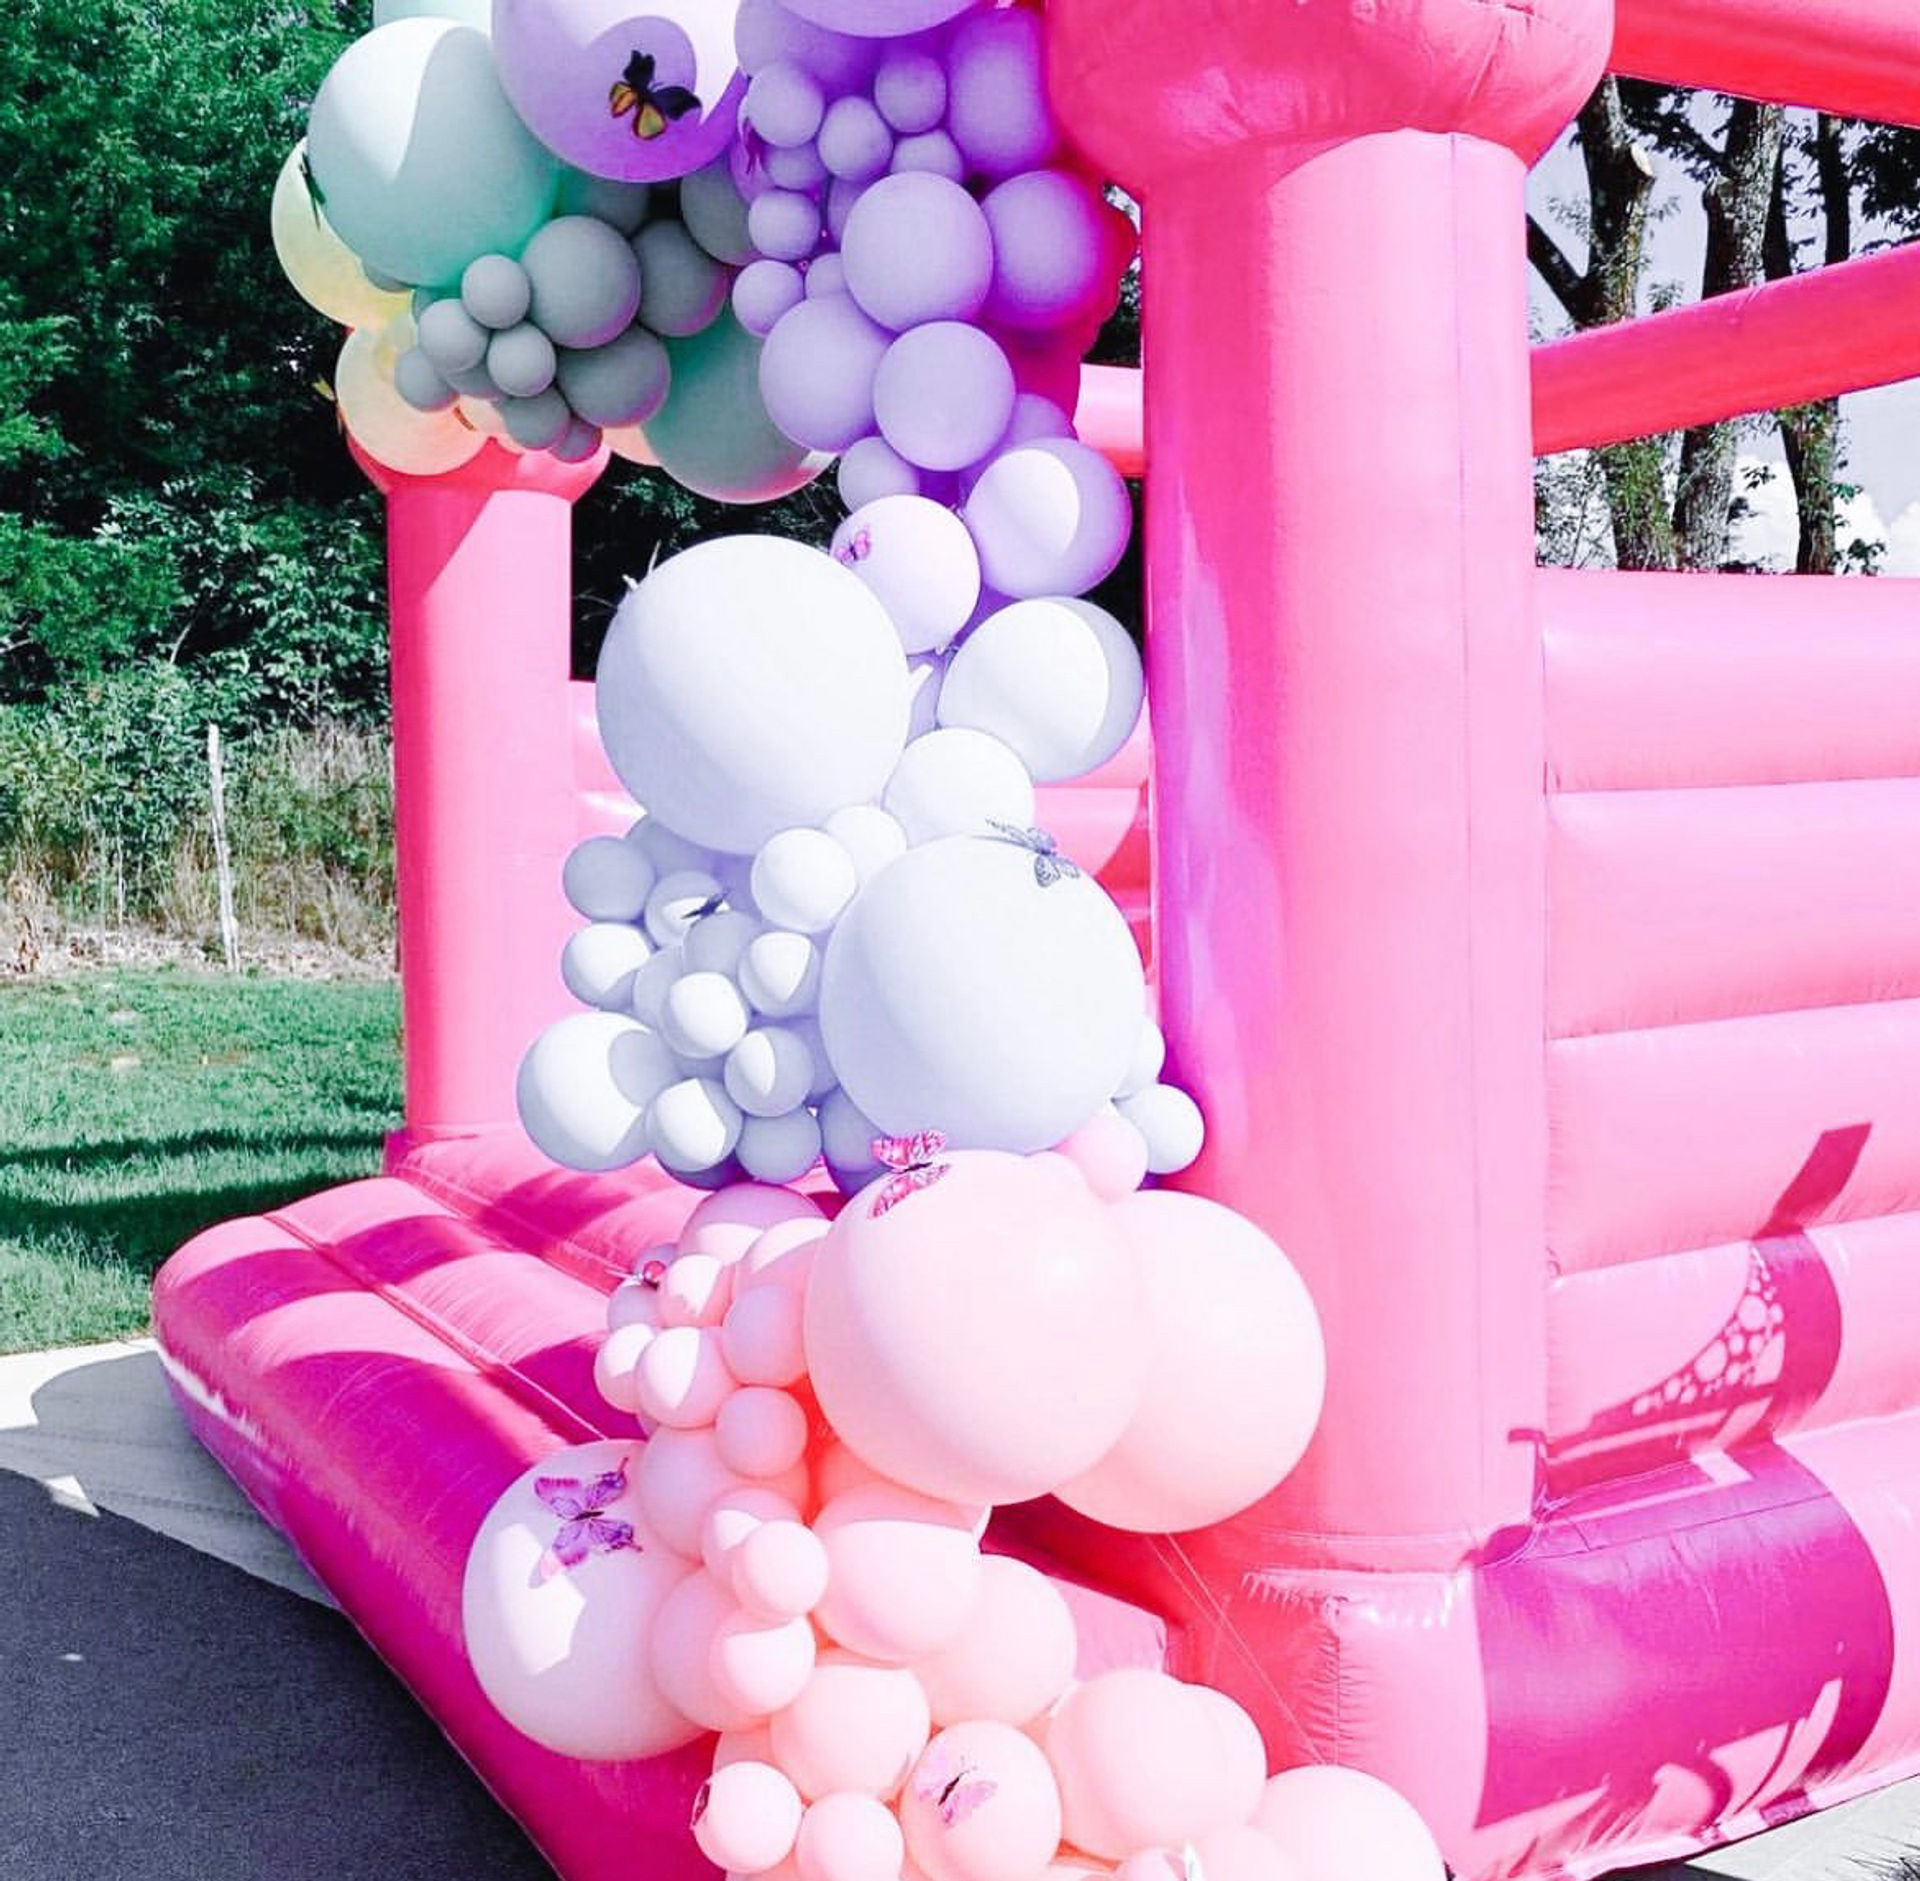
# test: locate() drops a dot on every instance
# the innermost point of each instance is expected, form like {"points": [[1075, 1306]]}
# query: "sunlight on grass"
{"points": [[137, 1108]]}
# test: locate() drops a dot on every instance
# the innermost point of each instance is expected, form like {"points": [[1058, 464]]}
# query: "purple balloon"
{"points": [[855, 141], [910, 89], [842, 194], [872, 469], [943, 395], [826, 274], [1050, 251], [765, 31], [798, 168], [784, 104], [918, 248], [784, 224], [997, 105], [1049, 518], [818, 369], [932, 153], [763, 291]]}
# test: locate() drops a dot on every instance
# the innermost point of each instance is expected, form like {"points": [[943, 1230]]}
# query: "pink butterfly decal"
{"points": [[700, 1802], [585, 1527], [954, 1788], [911, 1160], [856, 548]]}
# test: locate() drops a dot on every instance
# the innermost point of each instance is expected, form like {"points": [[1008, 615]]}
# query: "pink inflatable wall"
{"points": [[1544, 948]]}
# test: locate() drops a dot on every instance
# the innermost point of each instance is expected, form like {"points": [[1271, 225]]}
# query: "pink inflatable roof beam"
{"points": [[1856, 58], [1840, 329]]}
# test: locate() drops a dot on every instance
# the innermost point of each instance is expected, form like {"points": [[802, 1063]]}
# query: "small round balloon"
{"points": [[893, 20], [817, 372], [1343, 1825], [584, 279], [584, 1087], [918, 248], [386, 427], [981, 1805], [943, 395], [682, 287], [1049, 518], [624, 382]]}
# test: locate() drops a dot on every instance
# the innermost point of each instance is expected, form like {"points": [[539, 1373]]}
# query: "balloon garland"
{"points": [[746, 241]]}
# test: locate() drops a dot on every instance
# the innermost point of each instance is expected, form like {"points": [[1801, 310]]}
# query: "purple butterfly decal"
{"points": [[953, 1787], [585, 1527], [1049, 865], [856, 548], [700, 1802], [911, 1160]]}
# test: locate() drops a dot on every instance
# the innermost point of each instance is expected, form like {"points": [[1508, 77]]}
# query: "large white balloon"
{"points": [[752, 685], [1058, 680], [584, 1088], [421, 161], [1051, 517], [958, 782], [475, 13], [324, 271], [974, 987]]}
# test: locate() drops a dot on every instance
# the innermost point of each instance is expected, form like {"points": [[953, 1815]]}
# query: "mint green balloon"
{"points": [[422, 163]]}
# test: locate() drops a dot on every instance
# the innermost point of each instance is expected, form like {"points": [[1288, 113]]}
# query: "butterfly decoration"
{"points": [[316, 196], [712, 905], [952, 1786], [655, 109], [586, 1528], [911, 1158], [1049, 865], [701, 1799], [856, 548]]}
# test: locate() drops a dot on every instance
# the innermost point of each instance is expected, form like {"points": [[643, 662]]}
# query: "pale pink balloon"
{"points": [[836, 1470], [634, 1302], [696, 1290], [753, 1745], [1109, 1152], [1072, 1867], [857, 1726], [1143, 1761], [680, 1380], [735, 1515], [1237, 1378], [981, 1805], [761, 1432], [849, 1837], [779, 1570], [1013, 1657], [780, 1254], [746, 1817], [678, 1477], [762, 1338], [730, 1220], [903, 1571], [1239, 1754], [985, 1340], [761, 1666], [613, 1364], [1153, 1864], [1335, 1824], [1244, 1853], [562, 1650], [681, 1653]]}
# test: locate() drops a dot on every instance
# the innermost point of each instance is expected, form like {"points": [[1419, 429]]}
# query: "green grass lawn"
{"points": [[138, 1107]]}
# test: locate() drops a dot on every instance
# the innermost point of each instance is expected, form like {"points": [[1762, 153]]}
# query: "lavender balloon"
{"points": [[932, 153], [893, 19], [784, 104], [1050, 251], [818, 371], [943, 395], [855, 142], [872, 469], [765, 31], [1049, 518], [763, 291], [997, 104], [919, 559], [784, 224], [910, 89], [918, 248]]}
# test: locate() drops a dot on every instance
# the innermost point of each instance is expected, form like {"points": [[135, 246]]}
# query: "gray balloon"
{"points": [[716, 214], [496, 291], [472, 382], [423, 298], [625, 205], [451, 337], [578, 443], [521, 361], [586, 282], [386, 283], [622, 383], [682, 287], [538, 422], [420, 382]]}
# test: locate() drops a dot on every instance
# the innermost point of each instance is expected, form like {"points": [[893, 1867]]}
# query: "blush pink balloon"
{"points": [[857, 1726], [1143, 1762], [735, 1515], [849, 1837], [680, 1380], [1334, 1824], [1243, 1853], [1013, 1657], [981, 1805], [903, 1571], [761, 1666], [779, 1571], [753, 1745], [761, 1432], [746, 1817], [680, 1653], [677, 1479], [696, 1290], [762, 1339], [780, 1253], [613, 1364], [1109, 1152], [984, 1340], [1237, 1379], [732, 1219]]}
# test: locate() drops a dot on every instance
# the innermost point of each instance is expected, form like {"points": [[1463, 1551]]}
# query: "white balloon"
{"points": [[677, 901], [751, 685], [654, 981], [475, 13], [802, 879], [607, 879], [703, 1015], [324, 271], [1057, 680], [581, 1091], [694, 1125], [769, 1072], [869, 835], [599, 962], [976, 988], [780, 974], [958, 783], [1171, 1123], [1144, 1067], [846, 1137], [925, 679], [715, 942], [779, 1149], [824, 1078], [917, 556], [670, 854], [1050, 517]]}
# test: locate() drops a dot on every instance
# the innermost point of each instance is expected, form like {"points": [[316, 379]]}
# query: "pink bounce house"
{"points": [[1544, 949]]}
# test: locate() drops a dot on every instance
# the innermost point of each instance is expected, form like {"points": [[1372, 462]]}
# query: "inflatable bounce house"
{"points": [[920, 1327]]}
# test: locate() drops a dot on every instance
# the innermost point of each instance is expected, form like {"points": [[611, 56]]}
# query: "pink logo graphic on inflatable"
{"points": [[911, 1160], [586, 1529]]}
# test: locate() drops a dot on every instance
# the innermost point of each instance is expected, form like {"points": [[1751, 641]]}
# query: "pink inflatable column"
{"points": [[480, 584], [1346, 692]]}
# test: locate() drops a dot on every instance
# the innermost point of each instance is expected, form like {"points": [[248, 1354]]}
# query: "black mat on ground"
{"points": [[165, 1716]]}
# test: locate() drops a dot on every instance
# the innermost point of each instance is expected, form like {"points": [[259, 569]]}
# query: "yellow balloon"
{"points": [[325, 272], [630, 442], [386, 427]]}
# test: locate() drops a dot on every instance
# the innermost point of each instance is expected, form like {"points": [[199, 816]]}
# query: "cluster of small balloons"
{"points": [[838, 919], [884, 1691]]}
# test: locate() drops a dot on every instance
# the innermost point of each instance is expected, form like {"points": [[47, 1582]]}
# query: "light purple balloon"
{"points": [[919, 558], [842, 194], [763, 291], [932, 153], [871, 469], [943, 394], [1033, 418], [892, 19], [521, 361], [784, 104], [997, 105], [918, 248], [765, 31], [1050, 251], [826, 274], [799, 168], [784, 224], [817, 372], [1050, 518], [910, 89], [854, 140]]}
